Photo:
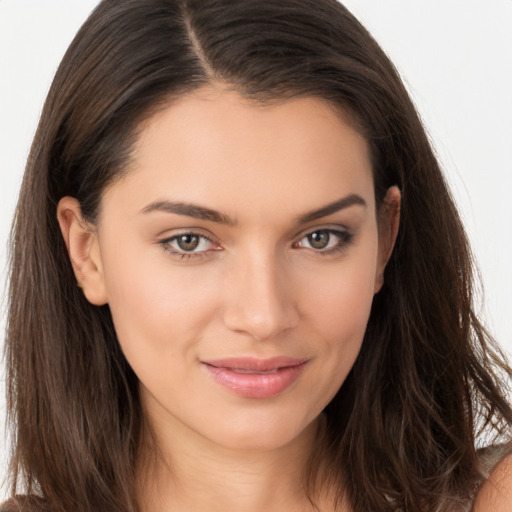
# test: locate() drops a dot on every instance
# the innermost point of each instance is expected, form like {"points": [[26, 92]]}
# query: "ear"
{"points": [[84, 251], [389, 220]]}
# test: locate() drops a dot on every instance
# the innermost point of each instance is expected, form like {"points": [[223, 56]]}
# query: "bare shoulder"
{"points": [[495, 495]]}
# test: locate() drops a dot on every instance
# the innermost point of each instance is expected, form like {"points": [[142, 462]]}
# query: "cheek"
{"points": [[340, 301], [338, 308], [341, 323], [152, 302]]}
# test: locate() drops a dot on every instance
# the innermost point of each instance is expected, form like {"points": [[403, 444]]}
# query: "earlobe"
{"points": [[389, 221], [83, 249]]}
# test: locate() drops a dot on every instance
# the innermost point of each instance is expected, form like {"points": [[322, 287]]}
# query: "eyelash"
{"points": [[166, 244], [345, 239]]}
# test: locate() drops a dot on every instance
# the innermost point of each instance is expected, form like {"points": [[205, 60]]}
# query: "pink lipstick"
{"points": [[256, 378]]}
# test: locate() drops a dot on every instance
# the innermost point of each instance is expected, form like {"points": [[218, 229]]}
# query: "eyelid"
{"points": [[344, 235], [322, 227], [165, 243], [184, 230]]}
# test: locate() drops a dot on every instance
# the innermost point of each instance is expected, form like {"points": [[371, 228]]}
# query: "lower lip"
{"points": [[256, 385]]}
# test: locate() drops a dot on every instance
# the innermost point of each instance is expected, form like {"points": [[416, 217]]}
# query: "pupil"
{"points": [[188, 242], [319, 239]]}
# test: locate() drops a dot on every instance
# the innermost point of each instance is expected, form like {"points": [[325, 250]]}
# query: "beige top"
{"points": [[491, 456]]}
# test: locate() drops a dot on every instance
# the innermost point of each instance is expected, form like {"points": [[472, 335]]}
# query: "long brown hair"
{"points": [[428, 376]]}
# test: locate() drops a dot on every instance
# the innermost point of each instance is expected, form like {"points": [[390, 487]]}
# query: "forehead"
{"points": [[216, 146]]}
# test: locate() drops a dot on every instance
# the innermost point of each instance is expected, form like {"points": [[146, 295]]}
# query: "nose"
{"points": [[259, 298]]}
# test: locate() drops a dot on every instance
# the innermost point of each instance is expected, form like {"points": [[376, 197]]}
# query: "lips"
{"points": [[256, 378]]}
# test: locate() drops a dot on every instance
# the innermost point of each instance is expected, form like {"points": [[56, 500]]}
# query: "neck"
{"points": [[196, 475]]}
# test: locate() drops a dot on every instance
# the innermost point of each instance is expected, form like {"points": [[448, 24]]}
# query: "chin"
{"points": [[269, 435]]}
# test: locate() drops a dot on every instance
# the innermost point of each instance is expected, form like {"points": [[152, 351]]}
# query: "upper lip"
{"points": [[256, 365]]}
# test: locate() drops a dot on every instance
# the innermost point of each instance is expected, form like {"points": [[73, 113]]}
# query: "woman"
{"points": [[239, 281]]}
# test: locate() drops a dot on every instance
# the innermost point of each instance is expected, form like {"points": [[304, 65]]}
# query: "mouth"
{"points": [[256, 378]]}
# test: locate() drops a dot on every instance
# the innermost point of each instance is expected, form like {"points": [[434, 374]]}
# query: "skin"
{"points": [[495, 494], [255, 286]]}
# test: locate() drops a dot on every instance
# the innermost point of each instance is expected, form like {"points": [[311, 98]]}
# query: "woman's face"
{"points": [[239, 257]]}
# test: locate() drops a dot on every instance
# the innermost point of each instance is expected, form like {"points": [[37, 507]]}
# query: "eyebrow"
{"points": [[190, 210], [336, 206], [203, 213]]}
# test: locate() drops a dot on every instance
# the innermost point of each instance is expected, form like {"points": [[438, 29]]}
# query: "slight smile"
{"points": [[256, 378]]}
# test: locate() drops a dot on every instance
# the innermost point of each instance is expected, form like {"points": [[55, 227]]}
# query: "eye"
{"points": [[319, 239], [188, 242], [325, 240], [186, 245]]}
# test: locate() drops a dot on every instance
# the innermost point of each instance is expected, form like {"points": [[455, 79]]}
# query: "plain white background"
{"points": [[454, 55]]}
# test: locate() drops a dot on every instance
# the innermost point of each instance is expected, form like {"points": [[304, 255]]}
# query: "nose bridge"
{"points": [[259, 300]]}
